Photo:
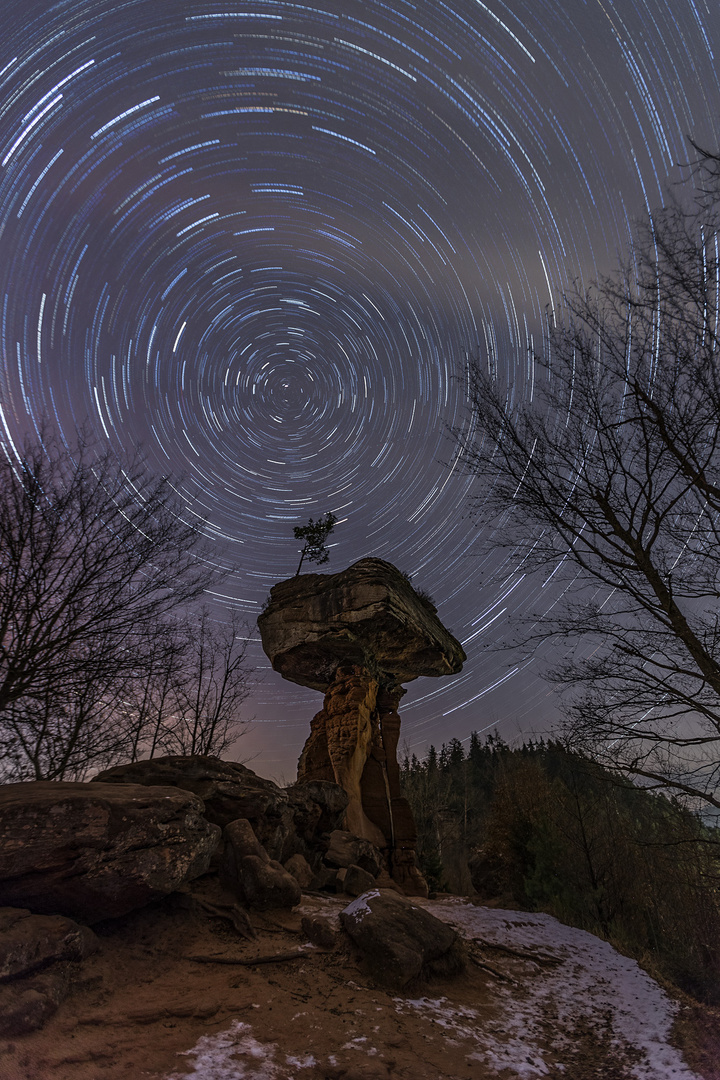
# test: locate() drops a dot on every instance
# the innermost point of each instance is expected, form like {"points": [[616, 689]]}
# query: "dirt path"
{"points": [[538, 999]]}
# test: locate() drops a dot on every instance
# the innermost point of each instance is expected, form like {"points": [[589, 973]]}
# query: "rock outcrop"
{"points": [[357, 636], [228, 789], [96, 851], [286, 821]]}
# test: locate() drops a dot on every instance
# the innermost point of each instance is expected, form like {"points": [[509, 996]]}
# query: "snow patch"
{"points": [[234, 1054], [360, 905], [590, 980]]}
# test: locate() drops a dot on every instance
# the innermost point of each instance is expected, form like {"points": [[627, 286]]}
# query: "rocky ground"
{"points": [[537, 999]]}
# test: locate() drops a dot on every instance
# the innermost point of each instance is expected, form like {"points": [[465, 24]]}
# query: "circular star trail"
{"points": [[259, 238]]}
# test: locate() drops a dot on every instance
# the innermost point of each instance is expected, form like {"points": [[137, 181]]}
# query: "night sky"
{"points": [[258, 238]]}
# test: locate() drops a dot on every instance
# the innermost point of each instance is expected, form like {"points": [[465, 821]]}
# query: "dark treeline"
{"points": [[547, 830]]}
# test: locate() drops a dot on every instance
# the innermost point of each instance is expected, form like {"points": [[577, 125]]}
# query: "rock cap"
{"points": [[368, 615]]}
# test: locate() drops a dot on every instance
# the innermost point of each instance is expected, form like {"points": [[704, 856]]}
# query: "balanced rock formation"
{"points": [[97, 851], [357, 636]]}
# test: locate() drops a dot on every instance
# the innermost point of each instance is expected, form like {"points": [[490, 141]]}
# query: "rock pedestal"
{"points": [[358, 636]]}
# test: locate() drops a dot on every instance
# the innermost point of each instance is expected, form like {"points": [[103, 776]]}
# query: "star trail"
{"points": [[259, 238]]}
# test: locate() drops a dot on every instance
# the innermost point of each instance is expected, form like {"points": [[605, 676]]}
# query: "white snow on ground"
{"points": [[591, 982], [236, 1054]]}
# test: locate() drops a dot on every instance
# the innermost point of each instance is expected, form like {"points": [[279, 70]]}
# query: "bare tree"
{"points": [[609, 478], [205, 716], [95, 560], [149, 699]]}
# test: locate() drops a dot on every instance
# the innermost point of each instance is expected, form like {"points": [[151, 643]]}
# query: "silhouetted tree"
{"points": [[214, 682], [97, 569], [315, 535], [607, 473]]}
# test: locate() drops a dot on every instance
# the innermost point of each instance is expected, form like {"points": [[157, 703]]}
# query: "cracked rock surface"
{"points": [[96, 851]]}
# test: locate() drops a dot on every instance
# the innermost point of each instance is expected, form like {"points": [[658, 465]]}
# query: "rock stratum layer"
{"points": [[358, 636]]}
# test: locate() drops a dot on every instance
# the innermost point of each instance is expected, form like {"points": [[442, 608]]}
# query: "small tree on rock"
{"points": [[315, 535]]}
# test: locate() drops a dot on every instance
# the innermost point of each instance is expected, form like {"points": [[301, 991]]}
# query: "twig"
{"points": [[233, 913], [277, 958], [491, 971], [535, 958]]}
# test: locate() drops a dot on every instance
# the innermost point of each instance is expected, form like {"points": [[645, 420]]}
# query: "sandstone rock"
{"points": [[357, 636], [300, 868], [399, 941], [344, 849], [257, 880], [240, 840], [287, 822], [340, 741], [368, 615], [36, 952], [357, 881], [228, 789], [29, 942], [318, 931], [265, 884], [325, 880], [318, 807], [95, 851], [28, 1004]]}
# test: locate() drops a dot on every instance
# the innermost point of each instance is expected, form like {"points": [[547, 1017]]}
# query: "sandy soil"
{"points": [[529, 1005]]}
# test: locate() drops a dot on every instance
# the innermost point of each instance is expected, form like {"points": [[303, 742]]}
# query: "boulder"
{"points": [[357, 881], [240, 840], [344, 849], [28, 1004], [318, 931], [400, 941], [318, 807], [96, 851], [257, 880], [357, 636], [36, 954], [300, 868], [29, 942], [325, 880]]}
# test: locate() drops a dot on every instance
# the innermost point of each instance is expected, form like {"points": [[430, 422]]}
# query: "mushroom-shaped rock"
{"points": [[358, 636], [367, 616]]}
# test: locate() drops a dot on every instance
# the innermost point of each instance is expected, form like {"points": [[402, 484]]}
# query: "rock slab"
{"points": [[96, 851], [400, 941]]}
